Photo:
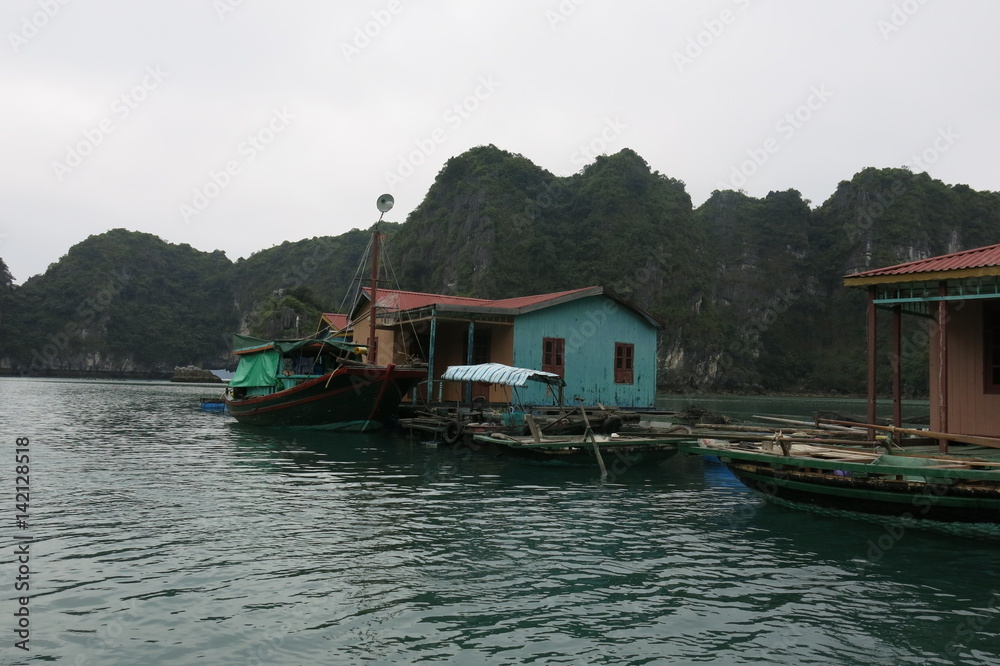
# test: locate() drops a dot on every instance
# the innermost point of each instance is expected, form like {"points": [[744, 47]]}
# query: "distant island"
{"points": [[750, 288]]}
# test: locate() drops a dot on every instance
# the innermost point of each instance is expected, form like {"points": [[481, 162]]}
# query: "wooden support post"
{"points": [[897, 366], [468, 359], [593, 440], [600, 459], [872, 359], [430, 358], [942, 375], [533, 427]]}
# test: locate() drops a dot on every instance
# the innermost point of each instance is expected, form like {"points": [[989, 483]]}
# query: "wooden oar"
{"points": [[812, 431], [593, 440], [760, 437], [993, 442], [735, 428], [943, 458], [804, 423]]}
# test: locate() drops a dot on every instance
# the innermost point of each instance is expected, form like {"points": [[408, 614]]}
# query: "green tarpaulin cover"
{"points": [[259, 369], [259, 358]]}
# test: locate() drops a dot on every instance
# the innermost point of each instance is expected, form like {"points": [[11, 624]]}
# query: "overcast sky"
{"points": [[239, 124]]}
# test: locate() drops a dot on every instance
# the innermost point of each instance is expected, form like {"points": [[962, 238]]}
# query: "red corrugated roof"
{"points": [[981, 257], [395, 300], [527, 301], [336, 320]]}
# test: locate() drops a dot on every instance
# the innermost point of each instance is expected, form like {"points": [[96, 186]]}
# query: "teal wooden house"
{"points": [[601, 344]]}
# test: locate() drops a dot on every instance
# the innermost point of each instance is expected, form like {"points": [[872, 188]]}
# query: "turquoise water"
{"points": [[162, 534]]}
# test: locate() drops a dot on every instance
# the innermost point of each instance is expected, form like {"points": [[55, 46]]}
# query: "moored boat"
{"points": [[453, 423], [588, 449], [957, 487], [326, 382], [597, 450], [949, 472], [320, 383]]}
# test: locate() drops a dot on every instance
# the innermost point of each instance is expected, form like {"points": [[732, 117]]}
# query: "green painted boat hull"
{"points": [[901, 487], [350, 398]]}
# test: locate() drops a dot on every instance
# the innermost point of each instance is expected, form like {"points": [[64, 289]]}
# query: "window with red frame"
{"points": [[624, 363], [554, 355]]}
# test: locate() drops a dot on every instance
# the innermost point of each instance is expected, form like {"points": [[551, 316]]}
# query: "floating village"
{"points": [[569, 378], [500, 333]]}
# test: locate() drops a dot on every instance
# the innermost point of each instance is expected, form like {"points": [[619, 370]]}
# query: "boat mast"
{"points": [[371, 316], [384, 204]]}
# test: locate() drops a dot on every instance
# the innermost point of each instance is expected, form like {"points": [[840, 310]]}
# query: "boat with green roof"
{"points": [[329, 381], [314, 382]]}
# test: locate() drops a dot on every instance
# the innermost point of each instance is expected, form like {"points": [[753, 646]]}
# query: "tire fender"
{"points": [[452, 432]]}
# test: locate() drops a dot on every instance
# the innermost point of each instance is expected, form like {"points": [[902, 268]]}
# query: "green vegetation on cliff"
{"points": [[751, 289], [123, 301], [7, 299]]}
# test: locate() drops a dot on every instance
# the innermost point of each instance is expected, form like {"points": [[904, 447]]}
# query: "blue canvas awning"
{"points": [[496, 373]]}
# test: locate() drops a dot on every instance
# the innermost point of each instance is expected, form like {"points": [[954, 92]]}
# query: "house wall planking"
{"points": [[591, 327], [971, 411]]}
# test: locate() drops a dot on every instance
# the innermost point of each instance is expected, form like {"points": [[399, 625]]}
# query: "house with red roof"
{"points": [[602, 345], [958, 295], [334, 322]]}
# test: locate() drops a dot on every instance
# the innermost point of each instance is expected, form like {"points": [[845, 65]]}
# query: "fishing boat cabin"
{"points": [[958, 295], [603, 346]]}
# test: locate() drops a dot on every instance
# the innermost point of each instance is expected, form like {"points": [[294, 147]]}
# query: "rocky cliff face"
{"points": [[121, 302], [750, 288]]}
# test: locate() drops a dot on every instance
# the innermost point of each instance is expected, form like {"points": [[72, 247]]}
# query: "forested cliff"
{"points": [[750, 288]]}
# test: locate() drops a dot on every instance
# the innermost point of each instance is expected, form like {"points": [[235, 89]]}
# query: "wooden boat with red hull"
{"points": [[328, 382], [352, 397]]}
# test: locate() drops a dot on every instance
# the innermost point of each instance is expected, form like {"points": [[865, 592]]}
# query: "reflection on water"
{"points": [[164, 534]]}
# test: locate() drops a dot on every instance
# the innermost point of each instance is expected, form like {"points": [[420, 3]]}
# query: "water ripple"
{"points": [[163, 534]]}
